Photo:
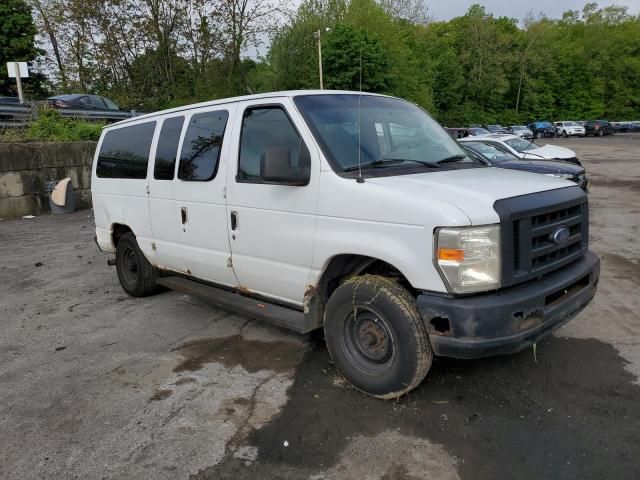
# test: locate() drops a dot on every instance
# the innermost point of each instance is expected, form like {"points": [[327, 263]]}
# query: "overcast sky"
{"points": [[444, 10]]}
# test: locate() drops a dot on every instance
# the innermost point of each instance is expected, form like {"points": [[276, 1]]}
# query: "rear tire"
{"points": [[600, 133], [376, 336], [565, 134], [137, 276]]}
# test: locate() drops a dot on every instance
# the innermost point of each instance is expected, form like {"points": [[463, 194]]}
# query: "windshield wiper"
{"points": [[452, 158], [382, 162]]}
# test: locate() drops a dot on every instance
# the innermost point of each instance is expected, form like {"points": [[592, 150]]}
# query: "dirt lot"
{"points": [[94, 384]]}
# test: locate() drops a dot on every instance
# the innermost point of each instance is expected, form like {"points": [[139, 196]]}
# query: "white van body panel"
{"points": [[202, 246], [120, 201], [372, 219], [272, 246]]}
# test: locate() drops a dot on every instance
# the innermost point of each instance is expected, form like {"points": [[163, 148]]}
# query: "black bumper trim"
{"points": [[510, 320]]}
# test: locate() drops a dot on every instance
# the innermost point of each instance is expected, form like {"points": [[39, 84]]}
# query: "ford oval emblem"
{"points": [[560, 235]]}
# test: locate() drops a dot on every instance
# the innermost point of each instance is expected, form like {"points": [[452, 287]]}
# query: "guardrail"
{"points": [[19, 115]]}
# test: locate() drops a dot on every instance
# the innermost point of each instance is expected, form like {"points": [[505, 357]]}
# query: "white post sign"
{"points": [[18, 70]]}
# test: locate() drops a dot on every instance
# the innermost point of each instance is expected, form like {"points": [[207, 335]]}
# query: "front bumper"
{"points": [[510, 320]]}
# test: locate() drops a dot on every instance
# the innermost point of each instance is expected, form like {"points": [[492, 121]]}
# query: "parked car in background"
{"points": [[525, 149], [88, 106], [455, 133], [494, 156], [495, 128], [476, 131], [521, 131], [542, 129], [569, 129], [82, 101], [598, 128]]}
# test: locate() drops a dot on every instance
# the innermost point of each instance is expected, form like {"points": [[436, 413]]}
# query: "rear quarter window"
{"points": [[124, 152]]}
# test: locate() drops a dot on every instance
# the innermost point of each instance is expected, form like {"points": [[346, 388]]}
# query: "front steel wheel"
{"points": [[376, 336]]}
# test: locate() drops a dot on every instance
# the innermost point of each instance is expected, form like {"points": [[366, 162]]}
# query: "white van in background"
{"points": [[356, 213]]}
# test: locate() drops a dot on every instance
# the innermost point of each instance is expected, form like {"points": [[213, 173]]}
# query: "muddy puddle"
{"points": [[252, 355]]}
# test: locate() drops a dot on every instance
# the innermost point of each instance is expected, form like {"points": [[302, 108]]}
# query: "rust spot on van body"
{"points": [[309, 294], [242, 290]]}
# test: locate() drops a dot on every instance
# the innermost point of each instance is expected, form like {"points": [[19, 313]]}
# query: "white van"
{"points": [[356, 213]]}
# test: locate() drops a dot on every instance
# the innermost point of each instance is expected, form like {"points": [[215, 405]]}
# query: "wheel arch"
{"points": [[346, 265], [117, 230]]}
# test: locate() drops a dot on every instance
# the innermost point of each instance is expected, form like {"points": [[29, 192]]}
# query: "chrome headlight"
{"points": [[468, 258], [559, 175]]}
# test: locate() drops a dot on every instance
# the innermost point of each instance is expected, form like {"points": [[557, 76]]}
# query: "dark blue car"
{"points": [[542, 129], [490, 154]]}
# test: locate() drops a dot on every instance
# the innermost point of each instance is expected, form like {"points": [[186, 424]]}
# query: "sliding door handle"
{"points": [[183, 214], [234, 220]]}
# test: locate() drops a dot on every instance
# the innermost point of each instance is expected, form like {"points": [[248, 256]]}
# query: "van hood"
{"points": [[550, 152], [473, 190]]}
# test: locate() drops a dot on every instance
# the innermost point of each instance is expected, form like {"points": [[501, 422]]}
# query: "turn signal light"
{"points": [[452, 254]]}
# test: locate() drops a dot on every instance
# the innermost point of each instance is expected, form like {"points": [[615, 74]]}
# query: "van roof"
{"points": [[221, 101]]}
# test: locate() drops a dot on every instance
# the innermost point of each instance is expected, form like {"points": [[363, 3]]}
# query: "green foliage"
{"points": [[50, 125], [352, 58], [476, 68], [17, 43]]}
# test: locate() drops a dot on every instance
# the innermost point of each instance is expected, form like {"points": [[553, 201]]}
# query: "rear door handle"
{"points": [[234, 220], [183, 214]]}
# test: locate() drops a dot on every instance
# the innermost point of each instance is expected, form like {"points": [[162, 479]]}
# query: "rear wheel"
{"points": [[565, 134], [600, 133], [539, 134], [137, 276], [376, 336]]}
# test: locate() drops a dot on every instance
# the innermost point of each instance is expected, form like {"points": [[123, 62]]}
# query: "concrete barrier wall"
{"points": [[25, 167]]}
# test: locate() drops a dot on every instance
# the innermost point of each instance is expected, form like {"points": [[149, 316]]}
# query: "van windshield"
{"points": [[378, 132]]}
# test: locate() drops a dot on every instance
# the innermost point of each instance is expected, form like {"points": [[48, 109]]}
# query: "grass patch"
{"points": [[51, 126]]}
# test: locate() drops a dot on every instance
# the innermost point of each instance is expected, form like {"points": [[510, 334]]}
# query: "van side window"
{"points": [[201, 146], [125, 152], [167, 149], [264, 128]]}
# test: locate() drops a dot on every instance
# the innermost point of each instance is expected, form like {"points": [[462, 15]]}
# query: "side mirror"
{"points": [[276, 167]]}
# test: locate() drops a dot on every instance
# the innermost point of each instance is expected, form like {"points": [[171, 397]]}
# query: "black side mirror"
{"points": [[276, 166]]}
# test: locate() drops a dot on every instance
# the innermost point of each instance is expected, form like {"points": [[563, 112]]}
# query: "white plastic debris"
{"points": [[29, 216], [286, 444], [59, 194]]}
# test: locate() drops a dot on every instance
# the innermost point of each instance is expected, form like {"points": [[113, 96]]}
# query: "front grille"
{"points": [[543, 251], [528, 224]]}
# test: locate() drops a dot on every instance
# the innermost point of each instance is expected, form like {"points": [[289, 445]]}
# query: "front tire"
{"points": [[376, 336], [565, 134], [137, 276]]}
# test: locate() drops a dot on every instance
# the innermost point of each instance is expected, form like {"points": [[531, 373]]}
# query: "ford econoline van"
{"points": [[349, 212]]}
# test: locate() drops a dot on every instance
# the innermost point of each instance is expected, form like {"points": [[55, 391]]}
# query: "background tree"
{"points": [[17, 43], [476, 68]]}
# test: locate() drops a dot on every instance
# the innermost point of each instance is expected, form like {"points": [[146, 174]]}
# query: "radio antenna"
{"points": [[360, 179]]}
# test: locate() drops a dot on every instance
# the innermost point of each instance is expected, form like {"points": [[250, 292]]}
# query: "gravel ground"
{"points": [[95, 384]]}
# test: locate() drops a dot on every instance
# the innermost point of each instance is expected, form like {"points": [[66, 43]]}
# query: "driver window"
{"points": [[266, 128]]}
